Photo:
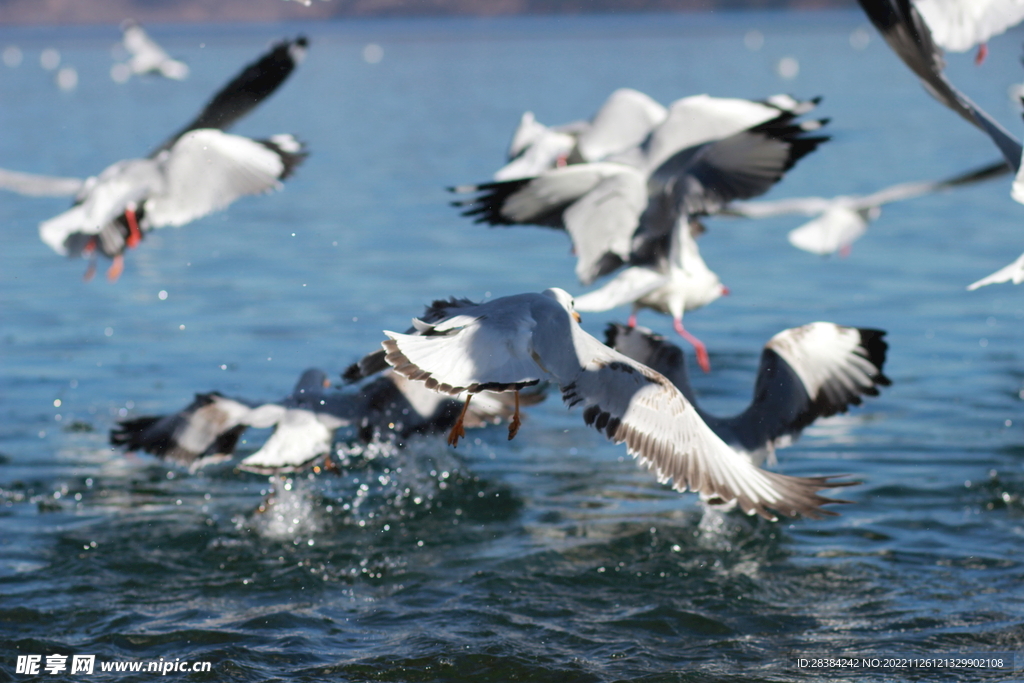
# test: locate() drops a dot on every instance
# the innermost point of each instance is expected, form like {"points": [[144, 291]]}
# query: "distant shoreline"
{"points": [[82, 12]]}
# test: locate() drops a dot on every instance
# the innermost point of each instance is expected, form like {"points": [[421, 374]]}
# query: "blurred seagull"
{"points": [[207, 431], [673, 284], [840, 221], [805, 373], [198, 170], [618, 212], [146, 56], [514, 342], [624, 120]]}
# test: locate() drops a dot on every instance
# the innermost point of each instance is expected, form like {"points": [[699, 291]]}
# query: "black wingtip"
{"points": [[877, 348]]}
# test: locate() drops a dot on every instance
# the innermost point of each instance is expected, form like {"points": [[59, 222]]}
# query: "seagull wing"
{"points": [[625, 288], [625, 119], [809, 372], [207, 170], [1011, 273], [602, 222], [909, 36], [301, 436], [631, 403], [206, 431], [34, 185], [489, 350], [244, 92]]}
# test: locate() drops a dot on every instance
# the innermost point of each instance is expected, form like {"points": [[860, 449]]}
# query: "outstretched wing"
{"points": [[631, 403], [244, 92], [204, 432], [300, 437], [207, 170], [34, 185]]}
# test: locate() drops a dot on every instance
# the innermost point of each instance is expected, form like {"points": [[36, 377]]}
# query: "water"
{"points": [[553, 557]]}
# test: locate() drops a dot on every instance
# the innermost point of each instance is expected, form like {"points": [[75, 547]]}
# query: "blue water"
{"points": [[552, 557]]}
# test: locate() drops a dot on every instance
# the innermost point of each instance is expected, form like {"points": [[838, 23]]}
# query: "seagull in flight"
{"points": [[197, 170], [514, 342]]}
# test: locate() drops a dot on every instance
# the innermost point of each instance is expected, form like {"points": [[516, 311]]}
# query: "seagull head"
{"points": [[565, 299]]}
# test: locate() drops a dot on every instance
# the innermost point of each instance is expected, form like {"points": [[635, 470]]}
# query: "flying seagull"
{"points": [[513, 342], [146, 56], [197, 170], [840, 221]]}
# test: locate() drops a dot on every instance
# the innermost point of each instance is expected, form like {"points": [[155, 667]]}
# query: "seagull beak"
{"points": [[326, 383], [725, 291], [576, 317]]}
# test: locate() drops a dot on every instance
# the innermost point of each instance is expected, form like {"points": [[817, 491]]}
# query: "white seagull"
{"points": [[840, 221], [673, 284], [617, 212], [805, 373], [198, 170], [146, 56], [513, 342]]}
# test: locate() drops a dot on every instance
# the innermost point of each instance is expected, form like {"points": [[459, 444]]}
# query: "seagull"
{"points": [[840, 221], [198, 170], [513, 342], [207, 430], [146, 56], [805, 373], [674, 284], [617, 212]]}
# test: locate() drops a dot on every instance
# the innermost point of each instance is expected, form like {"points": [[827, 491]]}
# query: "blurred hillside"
{"points": [[155, 11]]}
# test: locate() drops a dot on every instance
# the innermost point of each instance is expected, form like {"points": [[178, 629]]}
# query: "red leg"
{"points": [[458, 431], [702, 351], [116, 268], [514, 424], [845, 250], [979, 58], [631, 323], [134, 234]]}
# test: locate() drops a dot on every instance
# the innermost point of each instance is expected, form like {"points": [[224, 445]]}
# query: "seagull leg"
{"points": [[134, 234], [702, 351], [458, 431], [845, 250], [515, 422], [116, 268], [631, 322], [90, 251], [979, 58]]}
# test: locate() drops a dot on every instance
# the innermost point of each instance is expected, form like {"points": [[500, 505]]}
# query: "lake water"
{"points": [[553, 557]]}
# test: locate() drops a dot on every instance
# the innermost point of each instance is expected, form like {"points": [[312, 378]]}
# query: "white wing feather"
{"points": [[206, 170]]}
